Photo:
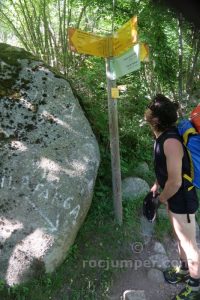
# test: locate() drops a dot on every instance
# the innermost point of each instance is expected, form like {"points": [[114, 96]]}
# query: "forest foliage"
{"points": [[40, 26]]}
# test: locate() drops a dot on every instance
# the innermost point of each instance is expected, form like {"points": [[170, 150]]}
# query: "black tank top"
{"points": [[160, 158], [184, 201]]}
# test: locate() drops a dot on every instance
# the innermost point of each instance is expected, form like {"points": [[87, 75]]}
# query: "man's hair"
{"points": [[161, 113]]}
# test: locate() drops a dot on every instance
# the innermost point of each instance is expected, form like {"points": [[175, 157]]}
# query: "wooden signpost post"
{"points": [[122, 57], [114, 142]]}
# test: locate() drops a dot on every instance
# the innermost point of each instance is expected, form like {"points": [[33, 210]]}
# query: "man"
{"points": [[171, 162]]}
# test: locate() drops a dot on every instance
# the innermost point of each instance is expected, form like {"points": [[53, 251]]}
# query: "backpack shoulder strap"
{"points": [[187, 133]]}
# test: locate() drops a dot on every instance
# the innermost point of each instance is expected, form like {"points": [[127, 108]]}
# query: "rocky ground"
{"points": [[144, 280]]}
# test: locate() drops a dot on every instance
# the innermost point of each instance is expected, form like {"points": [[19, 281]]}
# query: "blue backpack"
{"points": [[191, 140]]}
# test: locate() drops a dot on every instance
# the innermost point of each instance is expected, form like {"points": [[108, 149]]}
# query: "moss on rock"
{"points": [[10, 67], [10, 54]]}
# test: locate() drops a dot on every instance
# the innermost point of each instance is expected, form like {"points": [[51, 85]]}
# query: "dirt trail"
{"points": [[136, 278]]}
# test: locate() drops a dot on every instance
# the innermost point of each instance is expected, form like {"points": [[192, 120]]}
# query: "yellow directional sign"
{"points": [[144, 52], [89, 43], [115, 93], [125, 37]]}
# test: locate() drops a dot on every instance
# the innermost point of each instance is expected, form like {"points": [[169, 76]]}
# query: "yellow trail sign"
{"points": [[89, 43], [144, 52], [125, 37], [115, 93], [92, 44]]}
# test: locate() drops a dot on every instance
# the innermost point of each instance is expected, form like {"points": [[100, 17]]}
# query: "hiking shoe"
{"points": [[176, 274], [188, 293]]}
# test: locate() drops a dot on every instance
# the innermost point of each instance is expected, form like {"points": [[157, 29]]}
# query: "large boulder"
{"points": [[49, 159], [142, 169], [134, 187]]}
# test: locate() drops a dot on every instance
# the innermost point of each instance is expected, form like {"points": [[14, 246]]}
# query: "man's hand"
{"points": [[155, 189]]}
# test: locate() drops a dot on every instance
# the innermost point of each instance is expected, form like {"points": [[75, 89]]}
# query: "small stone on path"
{"points": [[156, 276], [159, 248], [134, 295], [159, 261]]}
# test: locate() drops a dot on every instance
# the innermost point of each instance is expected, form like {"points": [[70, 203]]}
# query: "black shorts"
{"points": [[184, 201]]}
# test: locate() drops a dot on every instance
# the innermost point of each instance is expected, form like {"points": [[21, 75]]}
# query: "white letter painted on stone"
{"points": [[56, 198], [2, 181], [25, 180], [75, 213], [67, 204], [44, 194], [38, 186]]}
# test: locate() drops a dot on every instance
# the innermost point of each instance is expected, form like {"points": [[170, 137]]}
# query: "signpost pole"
{"points": [[114, 146], [113, 47]]}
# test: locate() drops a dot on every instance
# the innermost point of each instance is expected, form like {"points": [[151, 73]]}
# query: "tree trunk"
{"points": [[180, 58], [191, 76]]}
